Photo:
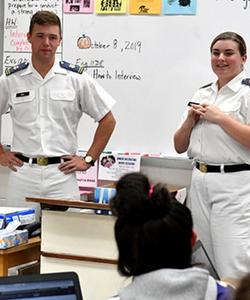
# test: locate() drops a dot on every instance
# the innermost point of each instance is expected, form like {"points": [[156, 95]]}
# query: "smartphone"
{"points": [[191, 102]]}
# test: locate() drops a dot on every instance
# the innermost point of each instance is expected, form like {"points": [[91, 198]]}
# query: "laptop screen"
{"points": [[53, 286]]}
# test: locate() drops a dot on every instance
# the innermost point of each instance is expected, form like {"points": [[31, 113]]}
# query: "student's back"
{"points": [[154, 235]]}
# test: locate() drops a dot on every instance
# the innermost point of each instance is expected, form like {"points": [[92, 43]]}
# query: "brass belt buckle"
{"points": [[203, 167], [42, 161]]}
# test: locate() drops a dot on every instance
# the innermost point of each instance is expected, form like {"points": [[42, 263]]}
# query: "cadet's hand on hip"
{"points": [[72, 164], [8, 159]]}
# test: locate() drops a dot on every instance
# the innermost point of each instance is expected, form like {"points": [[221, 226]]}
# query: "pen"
{"points": [[190, 103]]}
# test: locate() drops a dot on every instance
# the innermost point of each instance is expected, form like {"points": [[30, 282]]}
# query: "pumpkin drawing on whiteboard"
{"points": [[84, 42]]}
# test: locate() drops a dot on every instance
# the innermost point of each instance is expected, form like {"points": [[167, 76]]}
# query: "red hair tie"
{"points": [[150, 192]]}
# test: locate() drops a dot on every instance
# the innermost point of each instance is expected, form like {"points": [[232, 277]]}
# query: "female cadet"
{"points": [[216, 134]]}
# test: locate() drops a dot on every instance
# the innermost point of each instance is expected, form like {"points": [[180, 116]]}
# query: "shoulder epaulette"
{"points": [[207, 85], [11, 70], [246, 81], [71, 67]]}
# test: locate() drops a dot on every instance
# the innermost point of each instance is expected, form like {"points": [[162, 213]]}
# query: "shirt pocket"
{"points": [[61, 103], [24, 106], [232, 109]]}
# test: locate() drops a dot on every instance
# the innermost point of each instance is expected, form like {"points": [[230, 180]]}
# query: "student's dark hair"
{"points": [[228, 35], [44, 17], [152, 230], [243, 290]]}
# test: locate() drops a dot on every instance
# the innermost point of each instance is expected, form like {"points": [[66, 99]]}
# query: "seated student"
{"points": [[154, 235], [243, 289]]}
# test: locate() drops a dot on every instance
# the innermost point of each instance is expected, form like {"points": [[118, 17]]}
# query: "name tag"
{"points": [[22, 94]]}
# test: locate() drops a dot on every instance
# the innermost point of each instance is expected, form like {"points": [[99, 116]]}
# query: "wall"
{"points": [[1, 32], [171, 55], [166, 58], [3, 171], [1, 39]]}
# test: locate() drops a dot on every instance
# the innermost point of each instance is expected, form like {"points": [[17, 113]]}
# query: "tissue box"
{"points": [[13, 239], [102, 195], [23, 215]]}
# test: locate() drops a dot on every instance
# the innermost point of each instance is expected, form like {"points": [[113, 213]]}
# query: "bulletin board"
{"points": [[151, 64]]}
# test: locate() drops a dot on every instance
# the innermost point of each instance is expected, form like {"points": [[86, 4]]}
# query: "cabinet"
{"points": [[82, 242]]}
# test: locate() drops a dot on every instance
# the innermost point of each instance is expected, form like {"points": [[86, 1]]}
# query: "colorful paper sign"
{"points": [[111, 6], [179, 7], [112, 165], [145, 7], [87, 178], [78, 6]]}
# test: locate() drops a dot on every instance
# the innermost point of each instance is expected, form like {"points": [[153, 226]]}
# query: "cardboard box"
{"points": [[23, 214], [13, 239]]}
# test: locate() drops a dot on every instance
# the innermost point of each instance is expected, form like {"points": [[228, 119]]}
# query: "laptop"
{"points": [[200, 258], [53, 286]]}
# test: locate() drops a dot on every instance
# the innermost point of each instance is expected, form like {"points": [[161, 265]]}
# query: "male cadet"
{"points": [[46, 99]]}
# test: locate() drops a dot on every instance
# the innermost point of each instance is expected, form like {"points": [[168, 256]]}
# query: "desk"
{"points": [[18, 255], [80, 242]]}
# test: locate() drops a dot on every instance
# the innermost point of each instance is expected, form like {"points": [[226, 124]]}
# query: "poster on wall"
{"points": [[179, 7], [113, 165], [86, 178], [111, 7], [17, 14], [77, 6], [145, 7]]}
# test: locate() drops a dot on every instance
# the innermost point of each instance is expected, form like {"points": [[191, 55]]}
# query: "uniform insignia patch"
{"points": [[16, 68], [246, 81], [71, 67], [207, 85]]}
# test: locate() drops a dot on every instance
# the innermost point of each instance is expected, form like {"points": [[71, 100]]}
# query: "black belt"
{"points": [[40, 160], [221, 168]]}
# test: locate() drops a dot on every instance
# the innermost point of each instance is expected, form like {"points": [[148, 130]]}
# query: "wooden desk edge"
{"points": [[70, 203], [79, 203], [79, 257], [32, 242]]}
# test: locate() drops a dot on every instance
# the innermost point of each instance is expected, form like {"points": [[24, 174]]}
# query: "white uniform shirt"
{"points": [[209, 142], [46, 111]]}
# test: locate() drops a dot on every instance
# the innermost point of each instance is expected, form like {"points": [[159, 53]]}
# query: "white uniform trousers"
{"points": [[220, 205], [40, 181]]}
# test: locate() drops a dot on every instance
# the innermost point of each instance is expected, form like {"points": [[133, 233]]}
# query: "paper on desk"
{"points": [[11, 227]]}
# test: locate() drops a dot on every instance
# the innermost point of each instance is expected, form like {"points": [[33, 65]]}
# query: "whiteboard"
{"points": [[165, 58]]}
